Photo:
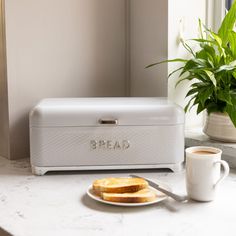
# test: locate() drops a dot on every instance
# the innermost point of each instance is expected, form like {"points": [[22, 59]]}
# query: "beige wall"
{"points": [[61, 48], [72, 48], [148, 44]]}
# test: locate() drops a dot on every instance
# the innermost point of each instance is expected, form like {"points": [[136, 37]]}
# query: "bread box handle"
{"points": [[108, 121]]}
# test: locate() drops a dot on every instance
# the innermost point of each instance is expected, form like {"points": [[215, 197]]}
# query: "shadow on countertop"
{"points": [[168, 204]]}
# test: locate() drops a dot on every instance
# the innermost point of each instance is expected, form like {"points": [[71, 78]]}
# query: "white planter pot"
{"points": [[218, 126]]}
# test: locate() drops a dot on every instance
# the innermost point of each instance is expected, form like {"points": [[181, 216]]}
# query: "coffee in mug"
{"points": [[203, 170], [203, 152]]}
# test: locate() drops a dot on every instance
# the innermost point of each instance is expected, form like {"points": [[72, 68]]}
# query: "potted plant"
{"points": [[213, 71]]}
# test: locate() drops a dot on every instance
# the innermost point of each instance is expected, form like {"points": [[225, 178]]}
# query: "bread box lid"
{"points": [[125, 111]]}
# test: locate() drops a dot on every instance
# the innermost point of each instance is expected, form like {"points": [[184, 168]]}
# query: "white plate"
{"points": [[160, 197]]}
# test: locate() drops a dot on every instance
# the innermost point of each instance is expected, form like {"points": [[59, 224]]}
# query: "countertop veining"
{"points": [[56, 204]]}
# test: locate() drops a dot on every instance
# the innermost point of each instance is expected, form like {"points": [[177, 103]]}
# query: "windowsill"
{"points": [[195, 137]]}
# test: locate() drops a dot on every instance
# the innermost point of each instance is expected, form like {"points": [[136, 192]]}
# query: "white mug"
{"points": [[203, 165]]}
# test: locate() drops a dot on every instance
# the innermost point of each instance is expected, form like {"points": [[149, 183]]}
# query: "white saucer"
{"points": [[160, 197]]}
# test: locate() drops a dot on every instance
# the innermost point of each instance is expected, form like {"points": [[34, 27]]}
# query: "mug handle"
{"points": [[226, 171]]}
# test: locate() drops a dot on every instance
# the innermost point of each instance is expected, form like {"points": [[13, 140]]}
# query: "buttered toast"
{"points": [[144, 195], [119, 185]]}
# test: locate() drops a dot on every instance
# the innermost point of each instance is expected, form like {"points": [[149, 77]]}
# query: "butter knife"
{"points": [[168, 193]]}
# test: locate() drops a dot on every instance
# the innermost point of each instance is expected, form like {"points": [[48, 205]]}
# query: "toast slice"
{"points": [[119, 185], [144, 195]]}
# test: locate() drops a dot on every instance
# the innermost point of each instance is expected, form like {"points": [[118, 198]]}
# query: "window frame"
{"points": [[215, 12], [228, 4]]}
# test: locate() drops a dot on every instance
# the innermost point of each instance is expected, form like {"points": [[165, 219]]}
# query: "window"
{"points": [[228, 4]]}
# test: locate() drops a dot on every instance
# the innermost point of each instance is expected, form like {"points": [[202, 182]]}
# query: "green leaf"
{"points": [[200, 108], [200, 62], [201, 85], [192, 91], [175, 71], [166, 61], [204, 95], [187, 47], [209, 48], [211, 53], [219, 43], [187, 106], [189, 103], [226, 68], [232, 42], [189, 77], [200, 27], [231, 109], [217, 39], [200, 75], [196, 101], [233, 63], [203, 54], [211, 106], [234, 74], [195, 63], [227, 24], [211, 62], [211, 76], [203, 40], [225, 96]]}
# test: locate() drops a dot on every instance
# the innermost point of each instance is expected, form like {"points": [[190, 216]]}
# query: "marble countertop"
{"points": [[56, 204]]}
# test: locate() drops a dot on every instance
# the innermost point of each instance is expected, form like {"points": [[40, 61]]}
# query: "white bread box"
{"points": [[106, 133]]}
